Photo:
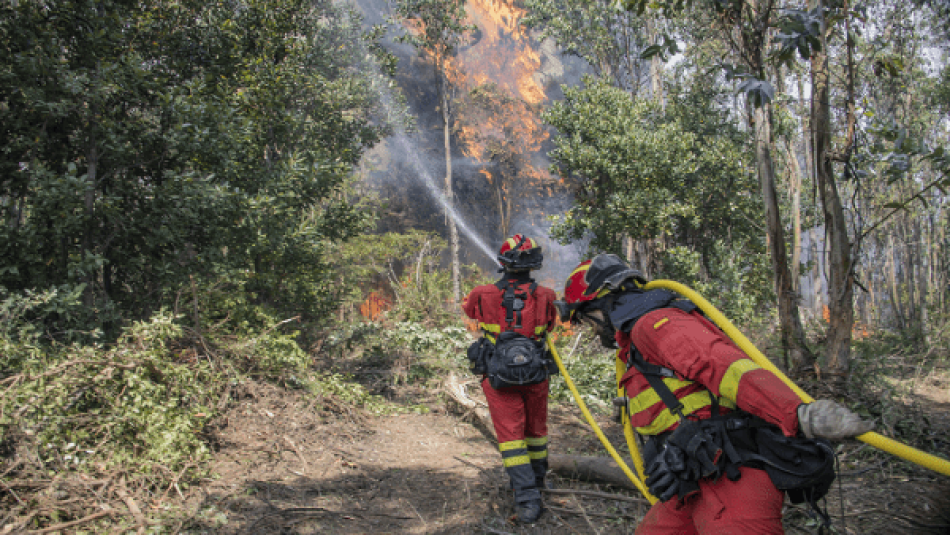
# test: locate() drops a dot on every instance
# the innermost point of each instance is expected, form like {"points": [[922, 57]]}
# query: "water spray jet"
{"points": [[382, 87], [403, 139]]}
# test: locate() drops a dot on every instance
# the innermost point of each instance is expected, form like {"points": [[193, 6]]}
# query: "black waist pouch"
{"points": [[517, 360], [478, 355], [804, 468]]}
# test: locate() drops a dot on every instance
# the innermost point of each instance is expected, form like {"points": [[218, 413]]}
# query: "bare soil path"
{"points": [[287, 464]]}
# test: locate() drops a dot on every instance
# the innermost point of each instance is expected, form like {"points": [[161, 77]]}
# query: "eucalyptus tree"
{"points": [[618, 46], [609, 40], [436, 29], [826, 36], [744, 25]]}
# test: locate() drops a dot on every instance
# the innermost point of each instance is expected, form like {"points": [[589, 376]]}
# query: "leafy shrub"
{"points": [[139, 404], [419, 338], [591, 369]]}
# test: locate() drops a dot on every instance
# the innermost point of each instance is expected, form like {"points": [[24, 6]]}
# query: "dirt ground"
{"points": [[290, 465]]}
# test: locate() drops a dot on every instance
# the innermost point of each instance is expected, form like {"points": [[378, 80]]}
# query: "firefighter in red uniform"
{"points": [[685, 380], [514, 315]]}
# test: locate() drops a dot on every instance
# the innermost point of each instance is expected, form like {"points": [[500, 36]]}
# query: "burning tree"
{"points": [[503, 132], [436, 30]]}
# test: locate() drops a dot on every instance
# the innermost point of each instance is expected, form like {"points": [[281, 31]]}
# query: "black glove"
{"points": [[700, 450], [706, 455], [663, 474]]}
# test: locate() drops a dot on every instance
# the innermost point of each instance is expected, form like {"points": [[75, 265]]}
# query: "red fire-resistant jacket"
{"points": [[484, 304], [705, 360]]}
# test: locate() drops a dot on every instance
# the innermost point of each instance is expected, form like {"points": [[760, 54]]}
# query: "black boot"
{"points": [[528, 506], [540, 469], [538, 452]]}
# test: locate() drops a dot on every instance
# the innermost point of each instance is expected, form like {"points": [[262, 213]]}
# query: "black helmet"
{"points": [[594, 279], [520, 253]]}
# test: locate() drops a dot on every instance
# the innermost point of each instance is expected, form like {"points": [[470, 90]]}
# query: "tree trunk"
{"points": [[894, 291], [89, 202], [449, 192], [795, 185], [840, 264], [591, 469], [656, 66], [797, 356]]}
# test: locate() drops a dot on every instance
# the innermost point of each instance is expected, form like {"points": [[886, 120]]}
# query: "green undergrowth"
{"points": [[139, 408], [901, 384]]}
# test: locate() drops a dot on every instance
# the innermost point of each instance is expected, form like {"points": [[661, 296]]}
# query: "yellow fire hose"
{"points": [[600, 434], [876, 440]]}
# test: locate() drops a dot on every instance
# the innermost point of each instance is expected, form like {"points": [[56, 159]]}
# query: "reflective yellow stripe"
{"points": [[648, 398], [584, 267], [495, 328], [535, 455], [513, 445], [660, 323], [536, 441], [516, 461], [729, 386], [666, 419]]}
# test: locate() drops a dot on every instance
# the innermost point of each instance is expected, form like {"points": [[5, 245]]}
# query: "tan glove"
{"points": [[826, 419]]}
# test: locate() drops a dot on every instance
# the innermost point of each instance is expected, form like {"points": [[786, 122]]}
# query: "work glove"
{"points": [[826, 419], [663, 473], [701, 452]]}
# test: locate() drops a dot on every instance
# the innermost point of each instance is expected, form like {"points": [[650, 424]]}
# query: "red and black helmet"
{"points": [[520, 253], [594, 279]]}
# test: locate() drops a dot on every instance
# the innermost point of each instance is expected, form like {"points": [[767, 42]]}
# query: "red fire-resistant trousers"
{"points": [[518, 411], [750, 506]]}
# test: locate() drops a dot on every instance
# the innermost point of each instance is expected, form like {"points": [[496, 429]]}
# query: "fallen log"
{"points": [[601, 470]]}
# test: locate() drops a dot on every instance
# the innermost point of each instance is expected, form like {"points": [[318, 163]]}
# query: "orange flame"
{"points": [[505, 53], [859, 331], [374, 306]]}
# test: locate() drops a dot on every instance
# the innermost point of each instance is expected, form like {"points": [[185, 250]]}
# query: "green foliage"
{"points": [[446, 342], [591, 369], [428, 299], [800, 31], [611, 40], [681, 175], [147, 143], [341, 389], [139, 405], [437, 25]]}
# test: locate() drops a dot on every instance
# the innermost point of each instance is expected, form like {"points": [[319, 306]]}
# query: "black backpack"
{"points": [[514, 359]]}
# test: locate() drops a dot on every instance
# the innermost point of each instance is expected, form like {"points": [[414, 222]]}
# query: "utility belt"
{"points": [[677, 460], [699, 449], [513, 360]]}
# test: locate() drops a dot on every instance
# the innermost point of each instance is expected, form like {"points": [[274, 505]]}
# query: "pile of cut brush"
{"points": [[94, 436]]}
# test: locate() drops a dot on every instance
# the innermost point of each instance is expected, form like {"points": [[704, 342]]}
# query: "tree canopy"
{"points": [[148, 143]]}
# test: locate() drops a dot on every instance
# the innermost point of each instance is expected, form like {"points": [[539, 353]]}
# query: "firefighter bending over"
{"points": [[514, 315], [727, 439]]}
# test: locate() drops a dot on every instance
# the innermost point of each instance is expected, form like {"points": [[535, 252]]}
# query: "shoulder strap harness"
{"points": [[514, 301]]}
